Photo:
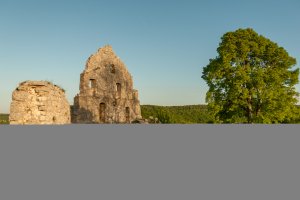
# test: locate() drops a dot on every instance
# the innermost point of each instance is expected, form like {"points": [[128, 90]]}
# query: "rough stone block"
{"points": [[32, 105]]}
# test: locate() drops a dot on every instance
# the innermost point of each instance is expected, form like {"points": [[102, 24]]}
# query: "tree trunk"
{"points": [[249, 110]]}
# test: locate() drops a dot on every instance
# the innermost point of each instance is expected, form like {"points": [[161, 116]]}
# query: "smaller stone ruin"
{"points": [[39, 102]]}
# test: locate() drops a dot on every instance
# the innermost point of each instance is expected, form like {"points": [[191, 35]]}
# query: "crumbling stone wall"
{"points": [[106, 91], [39, 102]]}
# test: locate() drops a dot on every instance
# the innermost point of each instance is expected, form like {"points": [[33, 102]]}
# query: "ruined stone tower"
{"points": [[106, 91], [39, 102]]}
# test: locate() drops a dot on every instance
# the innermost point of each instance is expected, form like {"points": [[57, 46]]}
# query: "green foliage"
{"points": [[164, 117], [177, 114], [295, 119], [251, 80], [4, 119]]}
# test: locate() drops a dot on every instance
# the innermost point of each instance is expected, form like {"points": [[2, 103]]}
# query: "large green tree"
{"points": [[251, 80]]}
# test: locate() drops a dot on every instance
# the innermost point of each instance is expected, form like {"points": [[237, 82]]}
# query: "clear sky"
{"points": [[164, 43]]}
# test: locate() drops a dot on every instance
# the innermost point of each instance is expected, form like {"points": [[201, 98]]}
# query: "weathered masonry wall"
{"points": [[39, 102], [106, 91]]}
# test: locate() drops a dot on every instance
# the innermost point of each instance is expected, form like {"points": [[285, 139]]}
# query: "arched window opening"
{"points": [[118, 90], [92, 83], [112, 68]]}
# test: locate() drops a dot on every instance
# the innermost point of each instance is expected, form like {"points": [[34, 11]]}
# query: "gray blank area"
{"points": [[141, 162]]}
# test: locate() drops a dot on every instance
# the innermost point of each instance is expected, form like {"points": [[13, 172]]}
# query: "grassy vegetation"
{"points": [[191, 114], [4, 119]]}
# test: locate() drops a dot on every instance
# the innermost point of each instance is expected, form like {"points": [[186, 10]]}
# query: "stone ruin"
{"points": [[39, 102], [106, 91], [106, 96]]}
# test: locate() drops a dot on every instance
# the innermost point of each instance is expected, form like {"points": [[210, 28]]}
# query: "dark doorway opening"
{"points": [[127, 114], [102, 111]]}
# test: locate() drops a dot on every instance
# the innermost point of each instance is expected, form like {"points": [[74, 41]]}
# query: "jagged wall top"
{"points": [[102, 57], [39, 83]]}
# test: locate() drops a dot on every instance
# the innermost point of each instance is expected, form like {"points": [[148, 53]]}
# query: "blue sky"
{"points": [[164, 44]]}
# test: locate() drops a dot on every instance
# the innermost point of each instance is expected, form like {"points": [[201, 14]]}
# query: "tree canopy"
{"points": [[251, 80]]}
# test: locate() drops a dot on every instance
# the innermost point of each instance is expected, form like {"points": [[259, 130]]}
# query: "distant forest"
{"points": [[4, 118], [190, 114]]}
